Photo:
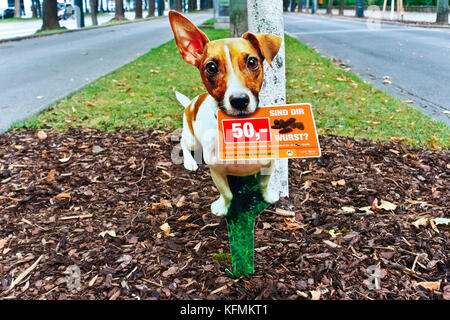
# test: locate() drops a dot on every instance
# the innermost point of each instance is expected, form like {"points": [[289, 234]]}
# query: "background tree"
{"points": [[151, 8], [94, 5], [238, 18], [285, 5], [341, 7], [50, 15], [34, 9], [330, 7], [161, 7], [17, 9], [138, 9], [442, 11], [79, 4], [119, 14], [177, 5]]}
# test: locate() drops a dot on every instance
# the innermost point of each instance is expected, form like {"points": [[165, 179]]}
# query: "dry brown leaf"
{"points": [[421, 222], [3, 242], [386, 205], [348, 209], [64, 195], [41, 135], [183, 218], [338, 182], [315, 294], [166, 228], [90, 104], [285, 213], [430, 285], [180, 202], [111, 233]]}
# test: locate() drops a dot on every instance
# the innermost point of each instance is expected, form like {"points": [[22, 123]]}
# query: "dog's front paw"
{"points": [[220, 207], [270, 195], [190, 163]]}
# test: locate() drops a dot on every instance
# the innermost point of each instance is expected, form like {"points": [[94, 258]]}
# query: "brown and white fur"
{"points": [[232, 72]]}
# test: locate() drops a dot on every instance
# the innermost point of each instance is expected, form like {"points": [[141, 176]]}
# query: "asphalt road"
{"points": [[36, 72], [417, 59]]}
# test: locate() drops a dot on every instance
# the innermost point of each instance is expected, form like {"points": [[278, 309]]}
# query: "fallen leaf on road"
{"points": [[338, 182], [386, 205]]}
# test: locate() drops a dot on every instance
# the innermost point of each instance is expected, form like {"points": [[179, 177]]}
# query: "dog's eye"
{"points": [[252, 63], [211, 68]]}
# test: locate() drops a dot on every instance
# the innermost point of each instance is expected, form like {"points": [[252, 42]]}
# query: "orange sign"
{"points": [[271, 132]]}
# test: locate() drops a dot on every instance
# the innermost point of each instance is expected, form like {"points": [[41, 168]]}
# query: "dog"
{"points": [[232, 72]]}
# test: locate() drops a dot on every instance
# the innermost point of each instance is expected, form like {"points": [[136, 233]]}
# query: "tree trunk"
{"points": [[161, 7], [285, 5], [330, 7], [151, 8], [34, 9], [341, 7], [138, 9], [442, 11], [119, 14], [300, 6], [100, 7], [191, 5], [17, 9], [266, 16], [93, 4], [178, 5], [238, 18], [50, 15]]}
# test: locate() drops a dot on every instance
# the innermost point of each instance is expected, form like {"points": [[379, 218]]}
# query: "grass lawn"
{"points": [[141, 95]]}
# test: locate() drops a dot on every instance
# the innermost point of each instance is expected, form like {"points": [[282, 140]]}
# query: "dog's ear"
{"points": [[189, 39], [267, 44]]}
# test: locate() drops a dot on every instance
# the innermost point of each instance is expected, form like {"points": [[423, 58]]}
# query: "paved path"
{"points": [[417, 59], [37, 72], [14, 29]]}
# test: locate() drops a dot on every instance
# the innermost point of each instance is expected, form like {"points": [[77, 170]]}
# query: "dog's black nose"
{"points": [[239, 101]]}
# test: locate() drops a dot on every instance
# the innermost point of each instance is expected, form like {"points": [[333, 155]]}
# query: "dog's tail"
{"points": [[185, 101]]}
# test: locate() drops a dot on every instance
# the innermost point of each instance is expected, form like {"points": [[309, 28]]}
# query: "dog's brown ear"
{"points": [[268, 45], [189, 39]]}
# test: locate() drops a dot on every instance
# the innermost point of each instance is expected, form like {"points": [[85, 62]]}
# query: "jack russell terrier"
{"points": [[232, 72]]}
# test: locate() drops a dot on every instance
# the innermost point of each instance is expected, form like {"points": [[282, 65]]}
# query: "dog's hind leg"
{"points": [[221, 205], [269, 194], [188, 144]]}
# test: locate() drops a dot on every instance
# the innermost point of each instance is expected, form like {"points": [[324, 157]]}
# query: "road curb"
{"points": [[32, 36], [436, 26]]}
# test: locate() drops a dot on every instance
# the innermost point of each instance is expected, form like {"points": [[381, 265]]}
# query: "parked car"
{"points": [[65, 11], [7, 13]]}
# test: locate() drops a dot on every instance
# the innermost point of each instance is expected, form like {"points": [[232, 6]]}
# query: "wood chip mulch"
{"points": [[107, 215]]}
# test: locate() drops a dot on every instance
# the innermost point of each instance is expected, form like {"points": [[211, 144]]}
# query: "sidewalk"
{"points": [[408, 16], [14, 29]]}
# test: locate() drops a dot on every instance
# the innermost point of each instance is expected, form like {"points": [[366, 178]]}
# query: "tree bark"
{"points": [[442, 11], [238, 18], [138, 9], [178, 5], [266, 16], [341, 7], [119, 14], [151, 8], [161, 7], [330, 7], [34, 9], [191, 5], [50, 15], [93, 4], [17, 9]]}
